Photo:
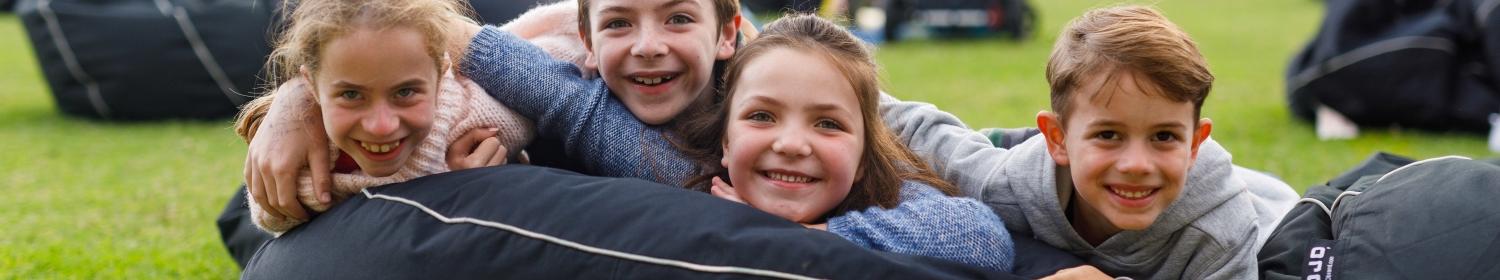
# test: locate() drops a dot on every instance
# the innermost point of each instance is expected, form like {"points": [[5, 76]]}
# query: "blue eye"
{"points": [[680, 19], [828, 124], [760, 117], [349, 94], [616, 24], [405, 92]]}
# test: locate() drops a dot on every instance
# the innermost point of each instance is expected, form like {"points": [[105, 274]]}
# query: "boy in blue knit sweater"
{"points": [[655, 59]]}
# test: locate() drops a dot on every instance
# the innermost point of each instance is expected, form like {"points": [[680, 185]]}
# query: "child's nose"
{"points": [[649, 45], [792, 143], [1136, 161], [381, 121]]}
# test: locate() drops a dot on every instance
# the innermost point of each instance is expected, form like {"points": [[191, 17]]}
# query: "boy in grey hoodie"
{"points": [[1109, 179]]}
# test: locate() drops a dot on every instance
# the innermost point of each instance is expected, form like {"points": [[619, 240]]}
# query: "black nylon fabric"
{"points": [[143, 61], [374, 238], [1433, 220], [1418, 87]]}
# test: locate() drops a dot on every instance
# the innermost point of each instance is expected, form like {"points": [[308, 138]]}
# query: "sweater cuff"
{"points": [[843, 227], [485, 44]]}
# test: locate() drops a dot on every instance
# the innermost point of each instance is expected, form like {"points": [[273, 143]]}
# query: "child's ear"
{"points": [[1052, 129], [727, 38], [312, 89], [589, 60], [724, 160], [1200, 134]]}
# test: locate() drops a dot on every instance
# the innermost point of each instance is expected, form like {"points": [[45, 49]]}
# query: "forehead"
{"points": [[597, 7], [369, 55], [814, 80], [1124, 96]]}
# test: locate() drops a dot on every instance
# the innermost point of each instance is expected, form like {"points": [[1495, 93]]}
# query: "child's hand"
{"points": [[1080, 272], [290, 138], [725, 191], [477, 148]]}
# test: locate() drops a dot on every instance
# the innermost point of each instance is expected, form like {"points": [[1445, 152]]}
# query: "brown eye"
{"points": [[1107, 135], [1164, 136]]}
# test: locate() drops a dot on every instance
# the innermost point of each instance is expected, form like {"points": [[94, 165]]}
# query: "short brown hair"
{"points": [[885, 163], [1135, 38], [725, 10]]}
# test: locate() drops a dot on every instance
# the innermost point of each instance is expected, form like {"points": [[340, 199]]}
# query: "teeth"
{"points": [[1131, 195], [788, 178], [653, 81], [379, 148]]}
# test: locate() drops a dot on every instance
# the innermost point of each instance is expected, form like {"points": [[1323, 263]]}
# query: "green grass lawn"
{"points": [[86, 199]]}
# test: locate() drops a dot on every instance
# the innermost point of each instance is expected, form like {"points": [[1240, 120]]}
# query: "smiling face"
{"points": [[376, 89], [1128, 150], [657, 56], [794, 137]]}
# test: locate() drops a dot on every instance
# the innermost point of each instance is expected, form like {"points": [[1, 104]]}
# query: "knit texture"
{"points": [[929, 223], [600, 131], [461, 107]]}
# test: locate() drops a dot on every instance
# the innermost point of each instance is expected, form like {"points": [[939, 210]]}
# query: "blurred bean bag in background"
{"points": [[1416, 64], [144, 60]]}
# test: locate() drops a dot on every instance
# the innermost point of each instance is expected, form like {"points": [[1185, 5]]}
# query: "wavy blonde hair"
{"points": [[312, 24]]}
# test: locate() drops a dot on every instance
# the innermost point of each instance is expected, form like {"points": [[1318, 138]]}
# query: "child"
{"points": [[650, 51], [805, 143], [1109, 178], [377, 72]]}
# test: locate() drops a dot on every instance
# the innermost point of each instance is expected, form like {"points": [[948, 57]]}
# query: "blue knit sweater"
{"points": [[600, 131]]}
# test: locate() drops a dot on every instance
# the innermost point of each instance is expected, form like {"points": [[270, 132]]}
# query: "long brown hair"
{"points": [[884, 164], [314, 23]]}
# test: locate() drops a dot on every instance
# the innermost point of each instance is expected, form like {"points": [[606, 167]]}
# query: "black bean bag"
{"points": [[528, 222], [141, 60], [1393, 218]]}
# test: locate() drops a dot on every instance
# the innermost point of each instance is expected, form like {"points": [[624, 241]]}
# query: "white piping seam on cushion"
{"points": [[1366, 52], [1326, 211], [1398, 169], [207, 58], [59, 40], [587, 248], [1338, 199]]}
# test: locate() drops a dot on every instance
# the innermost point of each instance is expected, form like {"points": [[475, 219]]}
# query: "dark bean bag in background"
{"points": [[527, 222], [1418, 64], [143, 60]]}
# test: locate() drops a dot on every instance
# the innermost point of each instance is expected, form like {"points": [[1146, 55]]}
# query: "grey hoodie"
{"points": [[1212, 231]]}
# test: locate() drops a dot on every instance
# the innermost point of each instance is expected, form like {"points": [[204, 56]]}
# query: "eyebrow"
{"points": [[825, 107], [624, 9], [674, 3], [1113, 123], [410, 83], [407, 83], [762, 99], [344, 84]]}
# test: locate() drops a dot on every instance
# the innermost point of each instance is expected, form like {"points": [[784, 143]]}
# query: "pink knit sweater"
{"points": [[461, 106]]}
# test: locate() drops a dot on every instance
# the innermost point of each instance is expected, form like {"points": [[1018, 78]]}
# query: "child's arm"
{"points": [[928, 223], [596, 128], [958, 154], [528, 80]]}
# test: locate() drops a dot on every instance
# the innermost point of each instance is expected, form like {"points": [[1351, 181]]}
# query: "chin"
{"points": [[1133, 222]]}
